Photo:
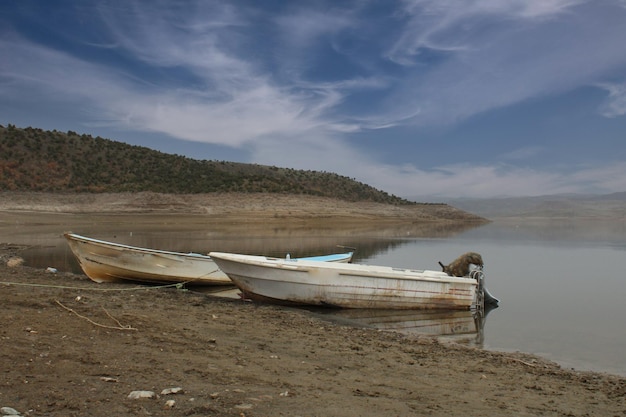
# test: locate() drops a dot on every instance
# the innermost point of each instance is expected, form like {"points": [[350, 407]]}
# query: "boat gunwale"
{"points": [[356, 270], [121, 246], [332, 258]]}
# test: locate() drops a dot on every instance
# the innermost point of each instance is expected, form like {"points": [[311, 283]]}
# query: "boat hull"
{"points": [[345, 285], [110, 262]]}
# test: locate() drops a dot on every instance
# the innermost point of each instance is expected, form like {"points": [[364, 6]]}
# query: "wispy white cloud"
{"points": [[195, 36], [616, 102], [475, 180], [522, 153], [237, 100], [234, 102], [248, 116], [605, 178], [451, 25], [499, 53], [47, 74], [302, 27]]}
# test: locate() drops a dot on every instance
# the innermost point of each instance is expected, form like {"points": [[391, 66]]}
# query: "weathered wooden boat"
{"points": [[307, 282], [104, 261]]}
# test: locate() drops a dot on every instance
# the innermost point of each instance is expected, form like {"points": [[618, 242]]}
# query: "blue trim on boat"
{"points": [[328, 258]]}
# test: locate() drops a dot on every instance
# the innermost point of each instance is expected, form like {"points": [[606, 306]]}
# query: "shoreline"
{"points": [[235, 206]]}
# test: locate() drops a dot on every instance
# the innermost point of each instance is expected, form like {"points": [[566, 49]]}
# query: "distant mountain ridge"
{"points": [[560, 206], [33, 159]]}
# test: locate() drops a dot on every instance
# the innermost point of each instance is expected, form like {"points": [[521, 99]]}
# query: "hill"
{"points": [[51, 161], [66, 172]]}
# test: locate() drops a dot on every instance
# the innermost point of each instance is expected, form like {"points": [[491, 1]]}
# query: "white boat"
{"points": [[309, 282], [104, 261]]}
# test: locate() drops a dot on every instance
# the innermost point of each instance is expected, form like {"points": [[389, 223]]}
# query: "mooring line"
{"points": [[177, 285]]}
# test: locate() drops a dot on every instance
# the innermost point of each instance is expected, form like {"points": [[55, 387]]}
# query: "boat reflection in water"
{"points": [[460, 326]]}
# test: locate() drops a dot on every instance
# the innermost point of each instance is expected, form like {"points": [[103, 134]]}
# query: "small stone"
{"points": [[51, 270], [169, 403], [8, 411], [136, 395], [168, 391]]}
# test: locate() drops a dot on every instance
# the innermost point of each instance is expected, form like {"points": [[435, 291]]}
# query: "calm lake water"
{"points": [[561, 284]]}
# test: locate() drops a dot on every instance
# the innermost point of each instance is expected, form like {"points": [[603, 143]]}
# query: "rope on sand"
{"points": [[119, 326], [179, 286]]}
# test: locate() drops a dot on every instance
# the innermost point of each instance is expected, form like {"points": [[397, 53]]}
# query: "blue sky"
{"points": [[425, 99]]}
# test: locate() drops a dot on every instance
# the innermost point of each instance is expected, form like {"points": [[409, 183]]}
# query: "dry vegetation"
{"points": [[38, 160]]}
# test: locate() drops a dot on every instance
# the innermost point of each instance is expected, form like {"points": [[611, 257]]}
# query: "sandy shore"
{"points": [[75, 348]]}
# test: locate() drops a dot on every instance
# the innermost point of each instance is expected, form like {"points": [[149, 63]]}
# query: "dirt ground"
{"points": [[72, 347]]}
